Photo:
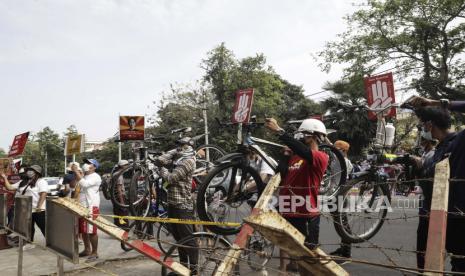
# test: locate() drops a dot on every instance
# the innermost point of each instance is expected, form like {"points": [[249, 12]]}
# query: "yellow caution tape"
{"points": [[174, 220]]}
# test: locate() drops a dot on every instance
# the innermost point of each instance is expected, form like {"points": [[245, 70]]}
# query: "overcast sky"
{"points": [[83, 62]]}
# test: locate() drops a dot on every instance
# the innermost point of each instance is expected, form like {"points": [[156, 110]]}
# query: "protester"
{"points": [[37, 188], [89, 197], [118, 179], [436, 120], [21, 183], [345, 248], [68, 179], [180, 200], [344, 147], [427, 144], [302, 174]]}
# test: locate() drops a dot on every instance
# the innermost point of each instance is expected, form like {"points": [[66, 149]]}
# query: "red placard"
{"points": [[380, 93], [243, 106], [131, 128], [19, 143]]}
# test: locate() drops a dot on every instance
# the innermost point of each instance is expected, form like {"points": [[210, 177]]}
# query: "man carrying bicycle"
{"points": [[436, 120], [302, 173], [180, 200]]}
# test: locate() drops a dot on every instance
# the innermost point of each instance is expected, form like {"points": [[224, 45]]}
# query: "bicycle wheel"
{"points": [[106, 186], [119, 194], [260, 251], [206, 155], [139, 194], [165, 239], [365, 205], [336, 172], [214, 201], [209, 249]]}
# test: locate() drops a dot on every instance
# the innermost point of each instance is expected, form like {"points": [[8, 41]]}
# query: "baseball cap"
{"points": [[68, 178], [93, 162]]}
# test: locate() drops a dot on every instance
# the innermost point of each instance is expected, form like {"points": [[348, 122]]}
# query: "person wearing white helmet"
{"points": [[301, 172]]}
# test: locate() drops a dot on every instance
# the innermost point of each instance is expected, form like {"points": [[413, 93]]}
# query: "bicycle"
{"points": [[210, 249], [367, 196], [224, 188], [141, 167]]}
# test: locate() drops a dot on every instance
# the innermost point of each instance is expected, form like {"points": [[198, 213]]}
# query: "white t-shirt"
{"points": [[90, 190], [40, 187]]}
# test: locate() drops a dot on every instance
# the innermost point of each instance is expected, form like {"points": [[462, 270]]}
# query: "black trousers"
{"points": [[455, 242], [39, 219], [181, 231], [309, 227]]}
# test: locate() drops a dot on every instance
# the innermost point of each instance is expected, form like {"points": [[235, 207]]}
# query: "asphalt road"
{"points": [[398, 233]]}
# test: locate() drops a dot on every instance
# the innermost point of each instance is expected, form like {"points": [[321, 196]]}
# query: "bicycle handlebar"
{"points": [[251, 123]]}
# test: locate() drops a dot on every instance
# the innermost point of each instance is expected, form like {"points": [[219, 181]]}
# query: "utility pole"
{"points": [[205, 121], [46, 162]]}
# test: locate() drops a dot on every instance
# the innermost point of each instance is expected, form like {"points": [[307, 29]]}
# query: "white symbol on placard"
{"points": [[381, 98], [241, 114]]}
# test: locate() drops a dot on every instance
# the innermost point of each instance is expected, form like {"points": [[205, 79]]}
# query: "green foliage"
{"points": [[351, 125], [2, 153], [224, 76], [45, 149], [422, 38]]}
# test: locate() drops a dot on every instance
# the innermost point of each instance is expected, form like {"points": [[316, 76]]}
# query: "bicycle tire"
{"points": [[163, 242], [340, 219], [337, 163], [215, 153], [106, 186], [113, 192], [139, 195], [202, 197], [224, 245]]}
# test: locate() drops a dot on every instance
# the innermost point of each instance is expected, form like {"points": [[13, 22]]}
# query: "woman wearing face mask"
{"points": [[37, 188]]}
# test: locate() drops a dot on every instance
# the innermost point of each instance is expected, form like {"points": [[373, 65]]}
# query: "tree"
{"points": [[422, 38], [45, 148], [351, 124], [224, 76], [218, 65], [2, 153]]}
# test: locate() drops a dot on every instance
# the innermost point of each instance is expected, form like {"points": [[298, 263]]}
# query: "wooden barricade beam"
{"points": [[280, 232], [436, 245], [121, 235], [228, 264]]}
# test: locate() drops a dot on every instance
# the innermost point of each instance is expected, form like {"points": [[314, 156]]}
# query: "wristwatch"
{"points": [[444, 103]]}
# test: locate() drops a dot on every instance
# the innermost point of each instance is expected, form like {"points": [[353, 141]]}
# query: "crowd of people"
{"points": [[302, 167]]}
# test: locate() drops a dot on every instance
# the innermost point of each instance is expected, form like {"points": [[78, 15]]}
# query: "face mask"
{"points": [[86, 167], [427, 135], [30, 174]]}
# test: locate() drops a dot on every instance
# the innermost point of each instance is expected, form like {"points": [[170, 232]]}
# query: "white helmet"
{"points": [[312, 126]]}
